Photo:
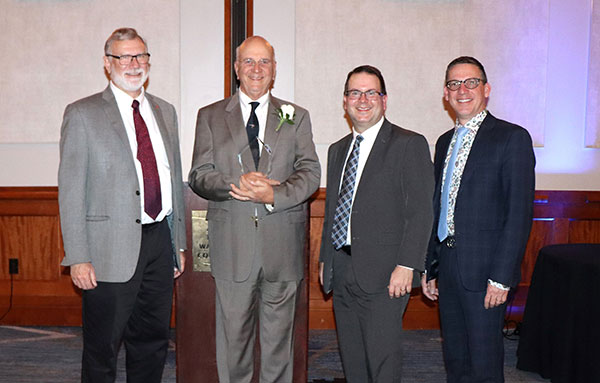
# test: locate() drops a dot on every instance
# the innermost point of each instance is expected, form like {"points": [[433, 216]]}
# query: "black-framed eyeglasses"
{"points": [[470, 83], [141, 58], [371, 94]]}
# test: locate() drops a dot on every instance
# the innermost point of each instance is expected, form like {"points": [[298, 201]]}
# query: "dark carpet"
{"points": [[53, 355]]}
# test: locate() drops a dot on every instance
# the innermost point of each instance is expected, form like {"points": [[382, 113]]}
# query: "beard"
{"points": [[129, 85]]}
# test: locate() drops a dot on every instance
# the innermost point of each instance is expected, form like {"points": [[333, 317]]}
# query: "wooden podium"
{"points": [[195, 316]]}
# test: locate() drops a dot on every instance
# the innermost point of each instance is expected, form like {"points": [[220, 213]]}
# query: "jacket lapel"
{"points": [[480, 145], [113, 114], [374, 161], [271, 136], [162, 127], [235, 123], [338, 164]]}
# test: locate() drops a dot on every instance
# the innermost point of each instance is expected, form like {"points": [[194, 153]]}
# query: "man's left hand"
{"points": [[255, 187], [494, 297], [400, 282], [178, 272]]}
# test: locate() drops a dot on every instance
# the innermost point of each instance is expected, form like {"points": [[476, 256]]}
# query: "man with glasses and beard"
{"points": [[122, 215], [483, 210]]}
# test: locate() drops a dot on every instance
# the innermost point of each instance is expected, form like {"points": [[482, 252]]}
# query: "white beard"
{"points": [[129, 86]]}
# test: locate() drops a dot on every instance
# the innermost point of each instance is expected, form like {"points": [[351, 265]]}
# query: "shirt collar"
{"points": [[474, 123], [370, 133], [245, 101]]}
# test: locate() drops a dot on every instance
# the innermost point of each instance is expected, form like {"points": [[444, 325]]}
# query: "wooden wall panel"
{"points": [[584, 231], [44, 294], [30, 231], [560, 217], [23, 236], [541, 234]]}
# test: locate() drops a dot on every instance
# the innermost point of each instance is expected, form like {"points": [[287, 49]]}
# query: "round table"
{"points": [[560, 333]]}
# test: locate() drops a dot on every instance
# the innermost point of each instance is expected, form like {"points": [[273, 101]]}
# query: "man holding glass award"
{"points": [[255, 162]]}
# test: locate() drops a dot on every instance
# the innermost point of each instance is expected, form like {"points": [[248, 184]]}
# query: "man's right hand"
{"points": [[84, 275], [255, 187], [429, 288]]}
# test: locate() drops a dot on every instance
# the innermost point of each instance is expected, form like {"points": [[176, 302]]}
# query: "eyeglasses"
{"points": [[252, 62], [141, 58], [355, 94], [470, 83]]}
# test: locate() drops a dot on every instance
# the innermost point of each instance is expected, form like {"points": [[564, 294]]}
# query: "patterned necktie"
{"points": [[344, 202], [252, 131], [443, 221], [145, 154]]}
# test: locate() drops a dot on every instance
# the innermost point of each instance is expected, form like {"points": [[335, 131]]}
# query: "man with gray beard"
{"points": [[122, 215]]}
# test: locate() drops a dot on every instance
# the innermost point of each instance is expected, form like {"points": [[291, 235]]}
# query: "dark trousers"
{"points": [[369, 327], [472, 336], [136, 312]]}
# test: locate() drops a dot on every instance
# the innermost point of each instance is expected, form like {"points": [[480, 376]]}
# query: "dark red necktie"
{"points": [[145, 154]]}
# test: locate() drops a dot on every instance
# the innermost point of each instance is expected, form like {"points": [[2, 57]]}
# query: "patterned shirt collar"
{"points": [[474, 123]]}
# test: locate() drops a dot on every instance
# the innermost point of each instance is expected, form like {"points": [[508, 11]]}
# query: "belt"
{"points": [[147, 226], [449, 242]]}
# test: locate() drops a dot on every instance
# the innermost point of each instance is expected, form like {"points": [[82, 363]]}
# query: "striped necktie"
{"points": [[344, 201]]}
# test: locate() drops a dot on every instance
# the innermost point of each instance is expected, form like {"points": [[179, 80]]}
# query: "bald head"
{"points": [[254, 39], [255, 66]]}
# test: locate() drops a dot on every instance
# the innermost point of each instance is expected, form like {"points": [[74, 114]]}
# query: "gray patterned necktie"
{"points": [[344, 201]]}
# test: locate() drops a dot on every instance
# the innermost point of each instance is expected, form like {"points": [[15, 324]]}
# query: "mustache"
{"points": [[134, 72]]}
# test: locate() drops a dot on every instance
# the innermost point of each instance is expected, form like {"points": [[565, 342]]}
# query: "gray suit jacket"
{"points": [[392, 211], [98, 188], [277, 241]]}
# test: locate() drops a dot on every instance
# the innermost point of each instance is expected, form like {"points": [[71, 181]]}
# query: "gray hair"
{"points": [[122, 34]]}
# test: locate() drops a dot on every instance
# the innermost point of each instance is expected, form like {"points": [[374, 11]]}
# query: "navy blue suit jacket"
{"points": [[494, 205]]}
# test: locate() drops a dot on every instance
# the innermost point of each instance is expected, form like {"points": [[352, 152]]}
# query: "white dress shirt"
{"points": [[366, 145], [261, 113], [124, 102]]}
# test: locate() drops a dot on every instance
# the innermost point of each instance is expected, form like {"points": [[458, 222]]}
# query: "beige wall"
{"points": [[535, 52]]}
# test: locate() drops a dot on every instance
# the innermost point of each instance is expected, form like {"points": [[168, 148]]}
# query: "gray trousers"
{"points": [[241, 309]]}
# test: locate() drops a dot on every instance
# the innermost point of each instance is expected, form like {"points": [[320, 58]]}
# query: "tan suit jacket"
{"points": [[236, 240]]}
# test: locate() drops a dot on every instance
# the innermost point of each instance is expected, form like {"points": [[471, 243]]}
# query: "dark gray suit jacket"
{"points": [[391, 212], [279, 237], [98, 188]]}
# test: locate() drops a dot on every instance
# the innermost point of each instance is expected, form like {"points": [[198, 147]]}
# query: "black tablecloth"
{"points": [[560, 334]]}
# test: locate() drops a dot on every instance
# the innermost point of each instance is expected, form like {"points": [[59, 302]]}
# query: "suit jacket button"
{"points": [[138, 221], [137, 192]]}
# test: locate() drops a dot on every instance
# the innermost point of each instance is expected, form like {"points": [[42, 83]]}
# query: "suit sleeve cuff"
{"points": [[498, 285]]}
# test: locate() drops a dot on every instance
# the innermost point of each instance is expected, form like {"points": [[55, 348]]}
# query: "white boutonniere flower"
{"points": [[286, 114]]}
